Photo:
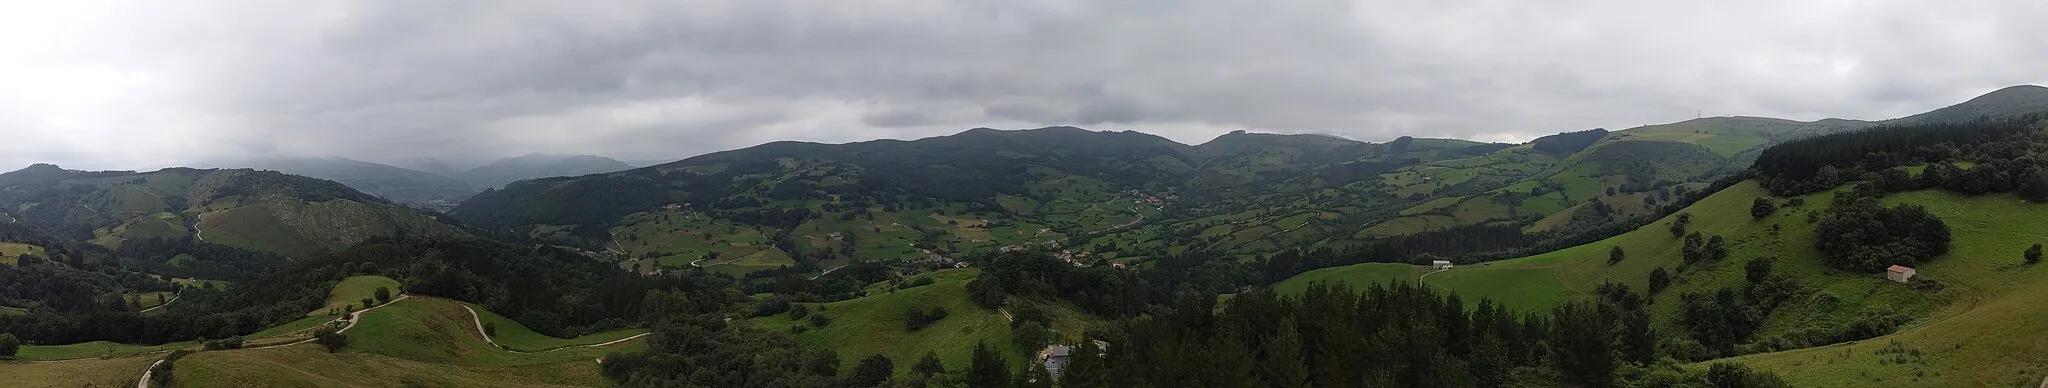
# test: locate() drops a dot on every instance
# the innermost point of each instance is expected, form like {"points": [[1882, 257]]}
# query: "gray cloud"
{"points": [[148, 84]]}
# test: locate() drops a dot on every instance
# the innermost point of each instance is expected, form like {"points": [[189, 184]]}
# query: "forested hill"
{"points": [[1136, 196], [980, 170], [263, 211]]}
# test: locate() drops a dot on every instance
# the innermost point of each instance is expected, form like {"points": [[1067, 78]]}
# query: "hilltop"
{"points": [[255, 210]]}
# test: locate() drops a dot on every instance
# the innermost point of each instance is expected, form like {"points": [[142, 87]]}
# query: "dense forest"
{"points": [[2003, 155]]}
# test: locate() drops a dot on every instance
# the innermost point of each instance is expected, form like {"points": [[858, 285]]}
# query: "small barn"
{"points": [[1440, 264], [1900, 273]]}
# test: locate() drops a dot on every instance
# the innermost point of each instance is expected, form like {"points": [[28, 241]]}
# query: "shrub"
{"points": [[224, 343], [771, 306], [1614, 255], [2033, 254], [9, 345], [929, 365], [383, 295], [1659, 278], [1762, 208], [820, 321], [871, 371], [330, 338], [915, 319]]}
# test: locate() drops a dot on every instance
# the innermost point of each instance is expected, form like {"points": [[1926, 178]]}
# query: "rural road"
{"points": [[479, 320], [196, 232], [174, 298], [1418, 279], [144, 382], [353, 318], [827, 272]]}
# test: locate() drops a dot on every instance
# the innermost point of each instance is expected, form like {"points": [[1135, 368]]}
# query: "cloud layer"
{"points": [[146, 84]]}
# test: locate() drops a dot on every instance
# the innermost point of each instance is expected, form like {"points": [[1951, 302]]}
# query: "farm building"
{"points": [[1440, 264], [1900, 273], [1056, 357]]}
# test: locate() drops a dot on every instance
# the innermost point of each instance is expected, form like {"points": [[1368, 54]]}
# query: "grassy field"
{"points": [[290, 327], [420, 340], [10, 252], [93, 349], [351, 291], [1526, 288], [874, 325], [439, 331], [147, 300], [515, 336], [309, 366], [110, 372], [252, 227], [1356, 276]]}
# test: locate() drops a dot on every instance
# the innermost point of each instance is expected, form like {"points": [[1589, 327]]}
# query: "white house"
{"points": [[1440, 264], [1900, 273]]}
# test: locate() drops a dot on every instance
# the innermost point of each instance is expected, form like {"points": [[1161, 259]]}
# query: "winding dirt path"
{"points": [[828, 272], [174, 298], [479, 320], [1418, 279], [144, 382], [353, 319]]}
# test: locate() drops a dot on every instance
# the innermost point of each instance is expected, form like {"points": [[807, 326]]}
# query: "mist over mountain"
{"points": [[397, 184], [498, 173]]}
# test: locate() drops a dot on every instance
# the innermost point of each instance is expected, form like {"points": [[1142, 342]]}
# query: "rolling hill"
{"points": [[1132, 197], [1812, 316], [256, 210]]}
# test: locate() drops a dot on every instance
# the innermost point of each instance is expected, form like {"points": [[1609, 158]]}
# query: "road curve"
{"points": [[479, 320]]}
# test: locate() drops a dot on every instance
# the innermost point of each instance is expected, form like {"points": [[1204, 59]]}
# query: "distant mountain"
{"points": [[265, 211], [638, 163], [397, 184], [430, 166], [980, 188], [1140, 196], [507, 170], [2002, 103]]}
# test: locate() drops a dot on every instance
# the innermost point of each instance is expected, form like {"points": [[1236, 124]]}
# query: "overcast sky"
{"points": [[145, 84]]}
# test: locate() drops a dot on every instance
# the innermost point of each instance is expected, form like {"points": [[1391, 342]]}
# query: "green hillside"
{"points": [[1990, 303], [257, 210], [1981, 274], [92, 372], [418, 339], [875, 324], [350, 292], [1127, 196], [389, 182]]}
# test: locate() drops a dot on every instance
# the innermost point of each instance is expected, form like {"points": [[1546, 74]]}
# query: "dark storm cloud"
{"points": [[144, 84]]}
